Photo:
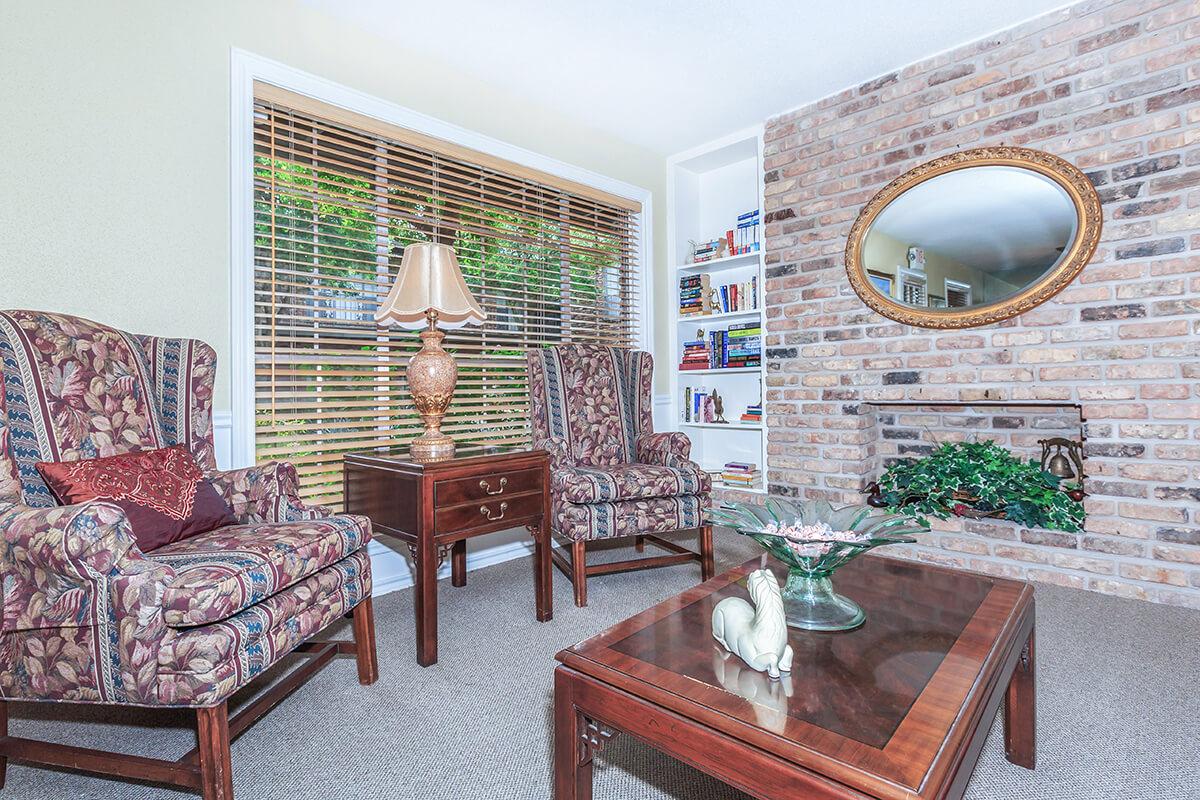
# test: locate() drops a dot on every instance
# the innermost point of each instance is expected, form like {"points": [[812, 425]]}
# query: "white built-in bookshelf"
{"points": [[708, 188]]}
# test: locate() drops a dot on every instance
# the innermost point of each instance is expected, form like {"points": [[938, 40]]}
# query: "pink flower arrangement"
{"points": [[811, 541]]}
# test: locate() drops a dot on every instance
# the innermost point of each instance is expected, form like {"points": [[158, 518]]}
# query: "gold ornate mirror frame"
{"points": [[1087, 236]]}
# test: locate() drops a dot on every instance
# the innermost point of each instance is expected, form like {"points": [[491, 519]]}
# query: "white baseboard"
{"points": [[391, 572]]}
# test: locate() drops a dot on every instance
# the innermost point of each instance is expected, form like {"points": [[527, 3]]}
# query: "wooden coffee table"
{"points": [[897, 708]]}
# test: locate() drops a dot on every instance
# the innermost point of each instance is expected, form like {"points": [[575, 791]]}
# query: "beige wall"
{"points": [[886, 254], [114, 150]]}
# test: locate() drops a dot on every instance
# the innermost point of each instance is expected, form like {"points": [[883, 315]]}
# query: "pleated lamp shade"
{"points": [[429, 280]]}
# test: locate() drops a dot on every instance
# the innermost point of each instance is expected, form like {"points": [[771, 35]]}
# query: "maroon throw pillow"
{"points": [[163, 492]]}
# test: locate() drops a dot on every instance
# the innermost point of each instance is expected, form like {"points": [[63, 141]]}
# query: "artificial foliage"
{"points": [[976, 479]]}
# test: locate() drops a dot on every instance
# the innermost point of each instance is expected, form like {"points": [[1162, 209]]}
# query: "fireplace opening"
{"points": [[1049, 435]]}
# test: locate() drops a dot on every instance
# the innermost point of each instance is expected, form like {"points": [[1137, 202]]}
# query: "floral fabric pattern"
{"points": [[82, 606], [669, 449], [587, 394], [611, 475], [265, 493], [75, 390], [204, 665], [85, 612], [629, 517], [220, 573], [627, 482], [182, 373]]}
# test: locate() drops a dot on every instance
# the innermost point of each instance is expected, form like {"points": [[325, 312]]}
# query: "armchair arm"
{"points": [[669, 449], [556, 446], [69, 570], [265, 493]]}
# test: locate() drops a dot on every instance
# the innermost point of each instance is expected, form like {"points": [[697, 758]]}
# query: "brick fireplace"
{"points": [[1114, 88]]}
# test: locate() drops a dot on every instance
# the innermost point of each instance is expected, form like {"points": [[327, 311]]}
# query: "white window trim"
{"points": [[245, 69]]}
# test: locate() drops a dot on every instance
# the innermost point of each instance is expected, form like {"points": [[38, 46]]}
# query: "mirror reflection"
{"points": [[969, 238]]}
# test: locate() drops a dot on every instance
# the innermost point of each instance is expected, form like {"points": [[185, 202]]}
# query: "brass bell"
{"points": [[1060, 466]]}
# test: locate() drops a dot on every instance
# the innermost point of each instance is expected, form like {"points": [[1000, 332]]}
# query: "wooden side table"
{"points": [[435, 507]]}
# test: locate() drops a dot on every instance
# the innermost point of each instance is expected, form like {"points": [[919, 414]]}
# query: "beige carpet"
{"points": [[1118, 708]]}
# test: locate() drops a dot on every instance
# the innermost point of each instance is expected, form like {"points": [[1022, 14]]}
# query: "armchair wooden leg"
{"points": [[639, 543], [364, 643], [216, 769], [579, 571], [706, 553]]}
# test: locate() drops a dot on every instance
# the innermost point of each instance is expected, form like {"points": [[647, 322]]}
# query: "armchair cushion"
{"points": [[205, 664], [220, 573], [629, 517], [162, 492], [628, 482]]}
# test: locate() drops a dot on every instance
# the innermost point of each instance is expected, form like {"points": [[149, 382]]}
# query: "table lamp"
{"points": [[430, 293]]}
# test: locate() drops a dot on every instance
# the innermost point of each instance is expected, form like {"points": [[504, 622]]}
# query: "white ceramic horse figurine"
{"points": [[755, 633]]}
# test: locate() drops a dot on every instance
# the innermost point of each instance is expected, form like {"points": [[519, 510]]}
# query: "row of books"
{"points": [[738, 346], [744, 238], [741, 474], [697, 405], [695, 294], [698, 296]]}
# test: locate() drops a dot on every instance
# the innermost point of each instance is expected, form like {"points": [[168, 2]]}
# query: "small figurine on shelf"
{"points": [[718, 409], [710, 410]]}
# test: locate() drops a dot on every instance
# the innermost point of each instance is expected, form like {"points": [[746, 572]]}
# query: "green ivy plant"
{"points": [[963, 477]]}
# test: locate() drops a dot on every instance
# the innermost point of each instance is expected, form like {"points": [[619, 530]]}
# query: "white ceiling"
{"points": [[671, 74], [992, 218]]}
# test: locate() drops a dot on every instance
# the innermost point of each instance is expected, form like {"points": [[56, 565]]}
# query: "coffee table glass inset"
{"points": [[898, 707]]}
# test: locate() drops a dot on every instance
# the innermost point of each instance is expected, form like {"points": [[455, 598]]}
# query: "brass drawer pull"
{"points": [[487, 512], [487, 487]]}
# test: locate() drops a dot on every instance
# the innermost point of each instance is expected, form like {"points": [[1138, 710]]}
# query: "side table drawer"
{"points": [[484, 512], [487, 487]]}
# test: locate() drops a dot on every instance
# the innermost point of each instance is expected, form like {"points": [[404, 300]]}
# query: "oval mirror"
{"points": [[973, 237]]}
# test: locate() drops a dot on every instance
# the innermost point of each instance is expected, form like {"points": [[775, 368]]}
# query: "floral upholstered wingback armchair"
{"points": [[88, 617], [611, 474]]}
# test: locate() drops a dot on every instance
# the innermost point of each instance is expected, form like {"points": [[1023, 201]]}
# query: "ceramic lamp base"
{"points": [[431, 446], [432, 375], [810, 603]]}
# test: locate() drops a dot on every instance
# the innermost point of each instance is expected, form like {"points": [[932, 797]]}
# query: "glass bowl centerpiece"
{"points": [[812, 539]]}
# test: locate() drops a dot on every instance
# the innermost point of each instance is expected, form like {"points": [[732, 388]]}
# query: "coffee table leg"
{"points": [[572, 757], [458, 563], [1020, 709], [425, 601], [543, 578]]}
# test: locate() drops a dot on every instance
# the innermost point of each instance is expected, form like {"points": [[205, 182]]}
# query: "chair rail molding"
{"points": [[245, 69]]}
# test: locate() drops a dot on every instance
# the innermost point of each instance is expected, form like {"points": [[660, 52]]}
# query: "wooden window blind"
{"points": [[337, 197]]}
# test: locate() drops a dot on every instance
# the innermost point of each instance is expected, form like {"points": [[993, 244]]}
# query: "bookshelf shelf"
{"points": [[718, 264], [720, 371], [711, 189], [719, 484], [730, 315], [726, 426]]}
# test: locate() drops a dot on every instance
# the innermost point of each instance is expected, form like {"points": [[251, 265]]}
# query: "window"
{"points": [[337, 196], [912, 288], [958, 294]]}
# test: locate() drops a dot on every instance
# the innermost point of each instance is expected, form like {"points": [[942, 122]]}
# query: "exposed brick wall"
{"points": [[1114, 88]]}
